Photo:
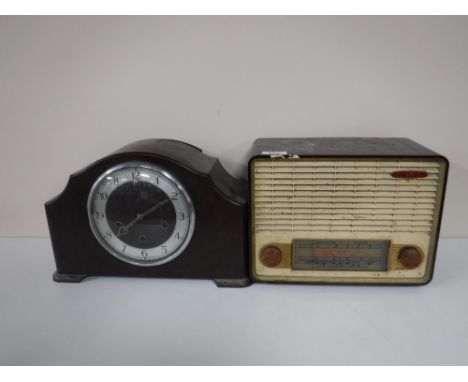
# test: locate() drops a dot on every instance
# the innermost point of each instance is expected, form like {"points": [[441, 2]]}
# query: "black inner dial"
{"points": [[140, 214]]}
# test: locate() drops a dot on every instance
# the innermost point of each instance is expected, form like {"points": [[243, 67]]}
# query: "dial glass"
{"points": [[141, 214], [340, 255]]}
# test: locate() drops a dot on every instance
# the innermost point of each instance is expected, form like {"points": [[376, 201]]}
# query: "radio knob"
{"points": [[410, 257], [271, 256]]}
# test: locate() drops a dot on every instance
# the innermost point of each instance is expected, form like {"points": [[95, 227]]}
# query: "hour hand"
{"points": [[122, 231]]}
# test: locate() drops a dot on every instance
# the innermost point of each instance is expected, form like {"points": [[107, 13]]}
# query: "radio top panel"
{"points": [[348, 147]]}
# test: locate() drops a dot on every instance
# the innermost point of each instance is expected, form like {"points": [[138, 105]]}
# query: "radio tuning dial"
{"points": [[410, 257]]}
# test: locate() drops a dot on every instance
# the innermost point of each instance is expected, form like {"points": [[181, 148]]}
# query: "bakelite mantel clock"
{"points": [[155, 208]]}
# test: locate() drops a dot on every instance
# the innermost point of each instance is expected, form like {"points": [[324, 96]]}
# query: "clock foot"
{"points": [[233, 283], [67, 277]]}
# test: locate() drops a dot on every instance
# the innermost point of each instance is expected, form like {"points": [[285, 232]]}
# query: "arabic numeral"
{"points": [[136, 175], [177, 235], [181, 216], [116, 180], [144, 253], [175, 195], [102, 195], [99, 215], [164, 249], [108, 234]]}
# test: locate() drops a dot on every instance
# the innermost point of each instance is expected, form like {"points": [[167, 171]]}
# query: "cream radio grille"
{"points": [[345, 218], [345, 196]]}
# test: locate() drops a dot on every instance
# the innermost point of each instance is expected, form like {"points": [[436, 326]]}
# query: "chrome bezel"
{"points": [[155, 168]]}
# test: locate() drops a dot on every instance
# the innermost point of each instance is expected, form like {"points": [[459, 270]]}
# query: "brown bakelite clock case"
{"points": [[155, 208]]}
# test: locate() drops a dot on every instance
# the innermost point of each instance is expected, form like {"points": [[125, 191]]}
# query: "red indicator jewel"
{"points": [[409, 174]]}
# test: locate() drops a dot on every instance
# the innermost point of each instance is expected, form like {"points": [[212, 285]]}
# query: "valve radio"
{"points": [[344, 210]]}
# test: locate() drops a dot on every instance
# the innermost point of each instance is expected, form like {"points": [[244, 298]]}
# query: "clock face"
{"points": [[141, 214]]}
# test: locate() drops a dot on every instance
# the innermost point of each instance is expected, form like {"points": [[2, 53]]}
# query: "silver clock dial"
{"points": [[141, 214]]}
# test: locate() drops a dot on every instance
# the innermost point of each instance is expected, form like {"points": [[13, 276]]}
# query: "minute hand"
{"points": [[124, 229], [154, 208]]}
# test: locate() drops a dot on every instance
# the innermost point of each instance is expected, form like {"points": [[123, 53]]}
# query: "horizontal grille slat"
{"points": [[312, 180], [354, 217], [332, 175], [329, 228], [300, 194], [343, 203], [259, 186], [345, 187], [364, 224], [359, 201], [361, 163], [377, 193], [350, 210], [342, 221]]}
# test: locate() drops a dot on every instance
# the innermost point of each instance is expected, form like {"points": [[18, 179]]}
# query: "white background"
{"points": [[144, 321], [73, 89]]}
